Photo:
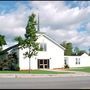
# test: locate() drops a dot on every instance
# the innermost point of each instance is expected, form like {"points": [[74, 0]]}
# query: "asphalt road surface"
{"points": [[80, 82]]}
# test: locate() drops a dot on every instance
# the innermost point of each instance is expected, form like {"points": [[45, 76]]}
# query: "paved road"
{"points": [[79, 82]]}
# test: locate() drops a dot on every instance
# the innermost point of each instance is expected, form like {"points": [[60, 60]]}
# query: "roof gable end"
{"points": [[46, 36]]}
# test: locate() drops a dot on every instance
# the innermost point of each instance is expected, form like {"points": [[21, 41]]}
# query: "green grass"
{"points": [[82, 69], [34, 72]]}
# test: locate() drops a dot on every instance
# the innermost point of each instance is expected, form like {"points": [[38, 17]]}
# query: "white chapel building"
{"points": [[52, 55]]}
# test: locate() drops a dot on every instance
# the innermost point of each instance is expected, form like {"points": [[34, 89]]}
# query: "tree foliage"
{"points": [[2, 41], [30, 38], [9, 61], [89, 51], [68, 48], [81, 52], [76, 51]]}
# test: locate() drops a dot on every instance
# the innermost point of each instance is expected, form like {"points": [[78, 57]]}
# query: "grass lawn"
{"points": [[34, 72], [82, 69]]}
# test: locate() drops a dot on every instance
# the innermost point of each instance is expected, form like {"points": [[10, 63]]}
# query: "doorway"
{"points": [[43, 63]]}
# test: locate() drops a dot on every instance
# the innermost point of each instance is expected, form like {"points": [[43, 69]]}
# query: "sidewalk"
{"points": [[62, 70], [42, 75], [72, 74]]}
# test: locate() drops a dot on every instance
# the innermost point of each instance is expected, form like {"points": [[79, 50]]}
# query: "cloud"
{"points": [[52, 15], [57, 19], [13, 23], [88, 27], [62, 22]]}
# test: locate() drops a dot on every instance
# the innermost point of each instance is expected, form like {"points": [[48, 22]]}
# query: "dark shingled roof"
{"points": [[4, 51]]}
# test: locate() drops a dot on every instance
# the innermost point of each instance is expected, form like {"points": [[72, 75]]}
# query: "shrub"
{"points": [[17, 68], [0, 67], [66, 66]]}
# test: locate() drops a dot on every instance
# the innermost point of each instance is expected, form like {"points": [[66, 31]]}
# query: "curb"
{"points": [[40, 75]]}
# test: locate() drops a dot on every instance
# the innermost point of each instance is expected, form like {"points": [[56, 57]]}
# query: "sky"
{"points": [[61, 20]]}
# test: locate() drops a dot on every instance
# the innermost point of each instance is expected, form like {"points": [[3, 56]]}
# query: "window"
{"points": [[43, 46], [77, 60]]}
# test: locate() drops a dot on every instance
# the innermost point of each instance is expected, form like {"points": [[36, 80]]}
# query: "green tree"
{"points": [[2, 42], [89, 51], [76, 50], [68, 48], [30, 38], [81, 52]]}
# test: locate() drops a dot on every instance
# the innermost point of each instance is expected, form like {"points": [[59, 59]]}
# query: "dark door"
{"points": [[43, 63]]}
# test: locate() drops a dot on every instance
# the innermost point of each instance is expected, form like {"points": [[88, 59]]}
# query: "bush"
{"points": [[0, 67], [66, 66], [6, 68], [17, 68]]}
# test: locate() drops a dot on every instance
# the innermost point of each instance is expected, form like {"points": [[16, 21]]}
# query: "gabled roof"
{"points": [[41, 33], [85, 54], [5, 50], [52, 40]]}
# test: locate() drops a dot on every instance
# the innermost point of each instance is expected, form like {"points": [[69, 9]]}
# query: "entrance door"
{"points": [[43, 63]]}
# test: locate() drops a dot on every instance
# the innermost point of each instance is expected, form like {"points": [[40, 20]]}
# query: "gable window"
{"points": [[43, 46], [77, 60]]}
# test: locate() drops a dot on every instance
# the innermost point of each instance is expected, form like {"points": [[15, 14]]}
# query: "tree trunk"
{"points": [[29, 59], [29, 65]]}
